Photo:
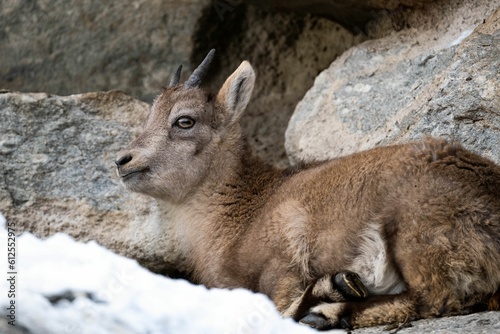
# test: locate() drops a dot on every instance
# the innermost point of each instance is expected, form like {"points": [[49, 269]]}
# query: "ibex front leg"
{"points": [[343, 286], [418, 301], [376, 310]]}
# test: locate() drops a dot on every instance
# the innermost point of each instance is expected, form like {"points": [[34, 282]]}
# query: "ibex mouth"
{"points": [[124, 176]]}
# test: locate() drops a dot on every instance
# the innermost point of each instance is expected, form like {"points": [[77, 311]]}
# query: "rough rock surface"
{"points": [[440, 81], [477, 323], [352, 13], [67, 47], [287, 51], [57, 165]]}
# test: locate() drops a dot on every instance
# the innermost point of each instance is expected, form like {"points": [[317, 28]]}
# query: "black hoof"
{"points": [[316, 321], [345, 322], [349, 284]]}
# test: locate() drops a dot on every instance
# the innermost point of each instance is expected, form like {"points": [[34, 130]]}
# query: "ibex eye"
{"points": [[184, 122]]}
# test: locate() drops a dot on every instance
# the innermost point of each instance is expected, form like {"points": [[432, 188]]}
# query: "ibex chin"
{"points": [[413, 229]]}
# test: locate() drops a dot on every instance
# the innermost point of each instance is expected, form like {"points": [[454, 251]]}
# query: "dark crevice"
{"points": [[216, 30]]}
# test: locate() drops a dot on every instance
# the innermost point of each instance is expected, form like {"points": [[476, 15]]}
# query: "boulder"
{"points": [[67, 47], [352, 13], [478, 323], [440, 81], [287, 51], [57, 161]]}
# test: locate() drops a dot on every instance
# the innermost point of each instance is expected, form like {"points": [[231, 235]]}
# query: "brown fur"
{"points": [[242, 223]]}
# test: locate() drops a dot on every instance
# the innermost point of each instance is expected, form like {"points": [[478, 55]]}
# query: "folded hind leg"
{"points": [[343, 286], [427, 300], [375, 310]]}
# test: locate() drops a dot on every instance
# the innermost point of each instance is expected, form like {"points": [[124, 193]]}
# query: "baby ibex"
{"points": [[419, 223]]}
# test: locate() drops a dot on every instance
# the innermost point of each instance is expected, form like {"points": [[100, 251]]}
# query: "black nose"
{"points": [[123, 160]]}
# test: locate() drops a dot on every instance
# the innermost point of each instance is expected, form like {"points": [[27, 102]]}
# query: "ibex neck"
{"points": [[217, 217], [244, 184]]}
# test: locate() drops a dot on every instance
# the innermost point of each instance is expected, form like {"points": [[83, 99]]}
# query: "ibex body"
{"points": [[419, 223]]}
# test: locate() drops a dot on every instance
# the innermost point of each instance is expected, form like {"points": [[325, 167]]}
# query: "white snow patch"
{"points": [[462, 36], [113, 294]]}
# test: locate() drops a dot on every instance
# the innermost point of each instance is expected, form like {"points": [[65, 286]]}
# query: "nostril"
{"points": [[123, 160]]}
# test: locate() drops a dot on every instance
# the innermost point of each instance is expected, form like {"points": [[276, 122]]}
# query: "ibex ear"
{"points": [[237, 90]]}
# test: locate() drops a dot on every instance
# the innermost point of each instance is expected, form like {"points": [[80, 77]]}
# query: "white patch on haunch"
{"points": [[376, 272]]}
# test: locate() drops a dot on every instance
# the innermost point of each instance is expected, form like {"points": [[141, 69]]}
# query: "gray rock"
{"points": [[6, 328], [287, 51], [480, 323], [67, 47], [352, 13], [440, 82], [57, 161]]}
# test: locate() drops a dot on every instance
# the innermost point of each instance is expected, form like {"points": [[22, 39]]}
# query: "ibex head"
{"points": [[186, 134]]}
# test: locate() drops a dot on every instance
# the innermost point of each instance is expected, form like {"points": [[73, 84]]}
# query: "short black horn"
{"points": [[198, 74], [175, 78]]}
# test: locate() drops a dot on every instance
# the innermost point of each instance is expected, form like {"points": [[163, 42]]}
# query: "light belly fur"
{"points": [[377, 273]]}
